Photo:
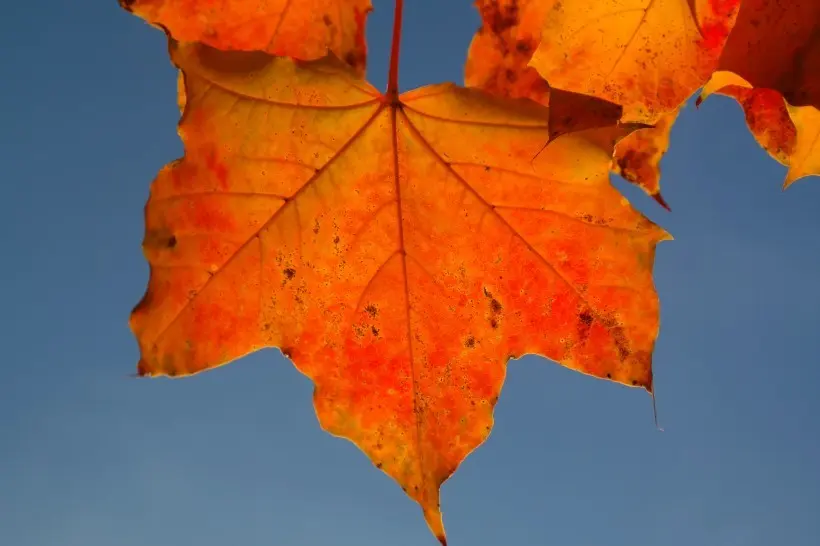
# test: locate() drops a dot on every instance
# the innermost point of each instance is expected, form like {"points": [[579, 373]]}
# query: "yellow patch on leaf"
{"points": [[303, 29], [647, 55], [805, 160], [399, 250], [498, 60]]}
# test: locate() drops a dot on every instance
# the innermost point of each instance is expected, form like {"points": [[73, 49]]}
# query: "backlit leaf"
{"points": [[304, 29], [776, 45], [647, 55], [790, 134], [399, 251], [498, 60], [767, 115]]}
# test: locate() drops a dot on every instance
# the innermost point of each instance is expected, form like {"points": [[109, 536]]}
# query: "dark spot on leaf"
{"points": [[372, 310], [584, 324], [287, 351], [493, 323], [316, 227], [172, 242], [469, 342], [500, 19], [326, 20], [609, 376], [289, 273], [336, 240], [523, 47], [379, 465], [354, 59], [495, 306], [374, 331]]}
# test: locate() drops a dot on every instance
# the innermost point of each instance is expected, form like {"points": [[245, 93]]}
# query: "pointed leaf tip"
{"points": [[661, 201]]}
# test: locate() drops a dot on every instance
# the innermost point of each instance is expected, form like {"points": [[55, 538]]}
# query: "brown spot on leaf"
{"points": [[524, 47], [289, 273], [469, 342], [499, 18], [584, 324], [372, 310]]}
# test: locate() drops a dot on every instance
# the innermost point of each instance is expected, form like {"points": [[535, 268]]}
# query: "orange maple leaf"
{"points": [[647, 55], [399, 249], [305, 30], [498, 62]]}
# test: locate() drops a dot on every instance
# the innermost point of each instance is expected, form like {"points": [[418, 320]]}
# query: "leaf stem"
{"points": [[393, 75]]}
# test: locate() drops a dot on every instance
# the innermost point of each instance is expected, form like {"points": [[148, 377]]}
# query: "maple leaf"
{"points": [[790, 134], [498, 62], [767, 115], [776, 45], [769, 66], [647, 55], [399, 249], [303, 29]]}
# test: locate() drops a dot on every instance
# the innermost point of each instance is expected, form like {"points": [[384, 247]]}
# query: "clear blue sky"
{"points": [[92, 457]]}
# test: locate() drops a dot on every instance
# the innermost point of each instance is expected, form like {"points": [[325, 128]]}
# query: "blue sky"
{"points": [[92, 457]]}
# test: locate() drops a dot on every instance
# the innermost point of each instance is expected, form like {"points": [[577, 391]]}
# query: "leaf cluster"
{"points": [[400, 249]]}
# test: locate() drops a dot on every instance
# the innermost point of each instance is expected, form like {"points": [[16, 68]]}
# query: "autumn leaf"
{"points": [[790, 134], [776, 45], [498, 62], [766, 113], [637, 157], [399, 249], [647, 55], [305, 30], [769, 65]]}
